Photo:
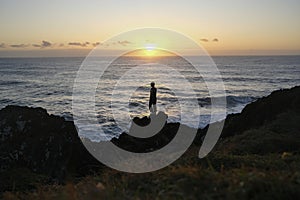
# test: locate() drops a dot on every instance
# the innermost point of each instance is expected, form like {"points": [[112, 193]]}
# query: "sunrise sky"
{"points": [[222, 27]]}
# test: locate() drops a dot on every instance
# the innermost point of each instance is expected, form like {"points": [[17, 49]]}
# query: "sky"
{"points": [[223, 27]]}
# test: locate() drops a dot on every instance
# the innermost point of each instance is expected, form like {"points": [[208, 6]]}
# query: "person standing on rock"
{"points": [[152, 100]]}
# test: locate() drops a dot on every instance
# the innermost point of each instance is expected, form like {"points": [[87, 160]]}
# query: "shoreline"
{"points": [[47, 149], [255, 99]]}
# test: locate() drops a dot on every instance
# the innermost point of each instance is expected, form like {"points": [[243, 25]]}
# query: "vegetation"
{"points": [[219, 176]]}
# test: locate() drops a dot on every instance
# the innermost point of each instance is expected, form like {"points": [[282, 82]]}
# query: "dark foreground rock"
{"points": [[45, 144], [156, 127]]}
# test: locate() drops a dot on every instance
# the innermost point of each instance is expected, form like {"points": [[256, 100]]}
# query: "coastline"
{"points": [[49, 150]]}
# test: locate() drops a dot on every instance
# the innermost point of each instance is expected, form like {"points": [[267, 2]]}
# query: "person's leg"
{"points": [[154, 108]]}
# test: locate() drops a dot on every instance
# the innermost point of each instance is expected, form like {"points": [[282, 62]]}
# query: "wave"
{"points": [[2, 82], [231, 100]]}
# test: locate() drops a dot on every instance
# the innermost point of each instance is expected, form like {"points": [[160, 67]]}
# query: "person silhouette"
{"points": [[152, 100]]}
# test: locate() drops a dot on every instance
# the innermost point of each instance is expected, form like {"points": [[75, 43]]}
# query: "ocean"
{"points": [[48, 83]]}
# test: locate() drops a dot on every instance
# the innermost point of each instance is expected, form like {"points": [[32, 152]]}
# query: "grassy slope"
{"points": [[271, 176]]}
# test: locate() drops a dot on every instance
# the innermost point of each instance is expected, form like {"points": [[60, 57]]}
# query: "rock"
{"points": [[262, 111], [161, 134], [45, 144], [268, 125]]}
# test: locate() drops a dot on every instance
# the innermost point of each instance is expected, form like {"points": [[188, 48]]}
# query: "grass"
{"points": [[219, 176]]}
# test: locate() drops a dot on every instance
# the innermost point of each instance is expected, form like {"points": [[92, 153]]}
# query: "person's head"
{"points": [[152, 84]]}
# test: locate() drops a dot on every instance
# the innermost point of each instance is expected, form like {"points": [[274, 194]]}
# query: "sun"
{"points": [[150, 50]]}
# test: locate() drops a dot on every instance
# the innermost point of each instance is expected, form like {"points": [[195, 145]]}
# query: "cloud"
{"points": [[207, 40], [44, 44], [75, 44], [18, 45], [36, 45], [124, 42], [2, 45], [204, 40], [84, 44], [96, 44]]}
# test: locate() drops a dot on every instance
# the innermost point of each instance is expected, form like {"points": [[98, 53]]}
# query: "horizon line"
{"points": [[218, 55]]}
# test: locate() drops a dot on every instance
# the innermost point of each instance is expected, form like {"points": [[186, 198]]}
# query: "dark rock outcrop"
{"points": [[45, 144], [268, 125], [142, 126], [263, 111]]}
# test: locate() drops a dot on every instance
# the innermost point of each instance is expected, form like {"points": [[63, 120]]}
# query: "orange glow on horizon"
{"points": [[149, 52]]}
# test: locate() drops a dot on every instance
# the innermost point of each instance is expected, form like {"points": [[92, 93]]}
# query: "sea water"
{"points": [[48, 83]]}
